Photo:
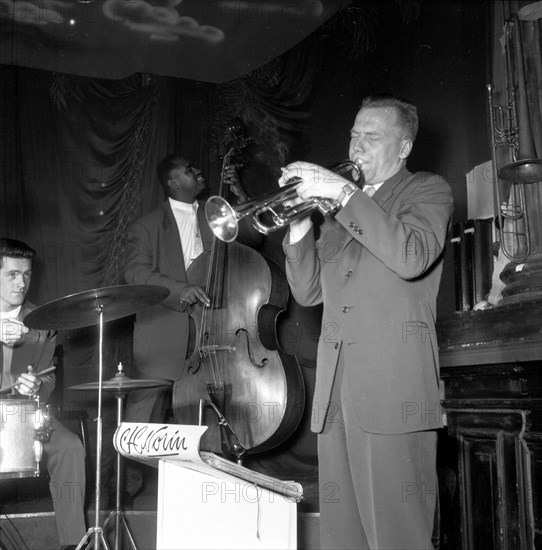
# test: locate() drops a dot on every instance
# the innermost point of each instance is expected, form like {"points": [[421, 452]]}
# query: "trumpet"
{"points": [[510, 127], [223, 218]]}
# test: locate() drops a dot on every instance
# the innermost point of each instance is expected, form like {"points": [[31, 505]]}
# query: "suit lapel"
{"points": [[171, 247], [383, 195], [24, 355], [205, 231], [390, 187]]}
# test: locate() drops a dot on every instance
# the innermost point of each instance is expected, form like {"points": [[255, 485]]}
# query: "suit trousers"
{"points": [[65, 461], [377, 491]]}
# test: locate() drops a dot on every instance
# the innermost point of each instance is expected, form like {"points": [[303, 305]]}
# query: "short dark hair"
{"points": [[12, 248], [406, 112], [164, 168]]}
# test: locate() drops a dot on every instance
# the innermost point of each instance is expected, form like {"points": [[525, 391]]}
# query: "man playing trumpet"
{"points": [[376, 267]]}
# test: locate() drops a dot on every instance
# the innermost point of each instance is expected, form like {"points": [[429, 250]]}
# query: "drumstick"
{"points": [[46, 371]]}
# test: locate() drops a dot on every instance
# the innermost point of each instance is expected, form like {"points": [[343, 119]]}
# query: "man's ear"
{"points": [[405, 149]]}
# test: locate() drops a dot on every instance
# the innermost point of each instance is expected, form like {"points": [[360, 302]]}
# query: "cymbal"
{"points": [[122, 383], [83, 309]]}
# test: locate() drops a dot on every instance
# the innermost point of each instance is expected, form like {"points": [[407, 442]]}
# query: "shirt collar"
{"points": [[183, 206], [13, 314]]}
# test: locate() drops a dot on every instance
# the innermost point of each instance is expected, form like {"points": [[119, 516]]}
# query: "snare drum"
{"points": [[20, 451]]}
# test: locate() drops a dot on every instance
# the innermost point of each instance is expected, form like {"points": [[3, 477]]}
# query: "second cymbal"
{"points": [[122, 383]]}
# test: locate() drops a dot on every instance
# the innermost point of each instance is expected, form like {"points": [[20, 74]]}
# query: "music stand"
{"points": [[85, 309]]}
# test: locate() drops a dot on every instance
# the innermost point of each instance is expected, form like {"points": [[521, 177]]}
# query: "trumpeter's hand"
{"points": [[316, 181]]}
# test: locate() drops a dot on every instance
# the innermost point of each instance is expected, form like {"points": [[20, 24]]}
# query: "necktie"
{"points": [[369, 190], [198, 243]]}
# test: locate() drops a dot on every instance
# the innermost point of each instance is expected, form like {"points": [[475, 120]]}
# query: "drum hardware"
{"points": [[20, 440], [43, 433], [87, 308], [223, 219], [120, 385]]}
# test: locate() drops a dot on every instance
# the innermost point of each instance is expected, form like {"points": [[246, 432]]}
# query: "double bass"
{"points": [[237, 381]]}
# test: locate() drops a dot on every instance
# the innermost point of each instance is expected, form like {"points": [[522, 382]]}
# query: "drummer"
{"points": [[24, 353]]}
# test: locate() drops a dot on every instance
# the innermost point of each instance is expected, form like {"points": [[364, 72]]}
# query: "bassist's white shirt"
{"points": [[186, 216]]}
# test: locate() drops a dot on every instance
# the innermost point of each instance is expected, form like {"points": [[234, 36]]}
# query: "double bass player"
{"points": [[161, 247]]}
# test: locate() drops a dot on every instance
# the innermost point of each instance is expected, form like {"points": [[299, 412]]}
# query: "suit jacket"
{"points": [[155, 257], [376, 267], [36, 349]]}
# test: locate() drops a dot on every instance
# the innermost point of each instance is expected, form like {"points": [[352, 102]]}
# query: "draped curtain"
{"points": [[78, 166]]}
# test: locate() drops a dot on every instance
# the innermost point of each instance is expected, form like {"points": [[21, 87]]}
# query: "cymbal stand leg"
{"points": [[96, 532], [117, 513]]}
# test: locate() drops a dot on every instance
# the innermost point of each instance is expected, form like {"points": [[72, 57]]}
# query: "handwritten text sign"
{"points": [[147, 440]]}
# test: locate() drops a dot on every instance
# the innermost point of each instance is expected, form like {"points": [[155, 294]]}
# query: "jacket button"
{"points": [[346, 309], [348, 274]]}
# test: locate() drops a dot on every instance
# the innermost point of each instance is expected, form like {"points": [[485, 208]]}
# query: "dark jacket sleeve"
{"points": [[141, 268]]}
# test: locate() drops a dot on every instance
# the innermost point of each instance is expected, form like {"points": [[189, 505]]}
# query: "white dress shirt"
{"points": [[187, 221], [7, 351]]}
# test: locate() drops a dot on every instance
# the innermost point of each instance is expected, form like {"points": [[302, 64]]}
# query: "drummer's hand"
{"points": [[12, 332], [192, 294], [28, 383], [316, 181]]}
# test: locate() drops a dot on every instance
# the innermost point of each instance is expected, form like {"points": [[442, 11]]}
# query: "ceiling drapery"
{"points": [[207, 40]]}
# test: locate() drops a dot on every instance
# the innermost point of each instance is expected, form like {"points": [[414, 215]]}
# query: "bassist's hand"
{"points": [[231, 178], [192, 294]]}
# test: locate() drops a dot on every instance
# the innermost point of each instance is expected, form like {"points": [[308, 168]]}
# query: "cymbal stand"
{"points": [[96, 532], [117, 513]]}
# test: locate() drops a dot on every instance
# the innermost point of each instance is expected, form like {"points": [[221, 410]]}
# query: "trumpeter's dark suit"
{"points": [[376, 268]]}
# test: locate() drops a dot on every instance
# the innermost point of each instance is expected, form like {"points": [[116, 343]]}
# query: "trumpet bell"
{"points": [[522, 171], [222, 218]]}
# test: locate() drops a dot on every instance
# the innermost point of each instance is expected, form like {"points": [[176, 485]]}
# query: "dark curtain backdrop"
{"points": [[78, 166]]}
